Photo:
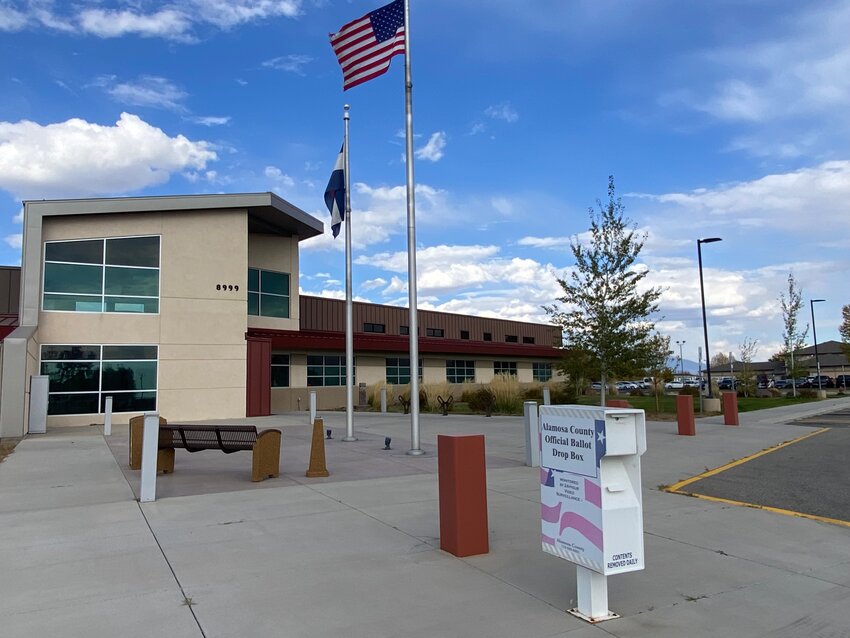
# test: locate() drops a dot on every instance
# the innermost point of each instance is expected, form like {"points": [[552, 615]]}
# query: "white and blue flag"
{"points": [[335, 193]]}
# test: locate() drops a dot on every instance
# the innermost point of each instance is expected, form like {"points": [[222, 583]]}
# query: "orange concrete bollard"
{"points": [[463, 494], [730, 408], [318, 466], [685, 415]]}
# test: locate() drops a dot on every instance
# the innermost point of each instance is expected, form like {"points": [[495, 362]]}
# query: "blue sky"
{"points": [[723, 119]]}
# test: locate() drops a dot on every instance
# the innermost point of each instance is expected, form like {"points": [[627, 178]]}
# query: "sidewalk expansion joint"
{"points": [[187, 600]]}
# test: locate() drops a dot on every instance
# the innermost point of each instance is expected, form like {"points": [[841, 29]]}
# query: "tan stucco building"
{"points": [[189, 305]]}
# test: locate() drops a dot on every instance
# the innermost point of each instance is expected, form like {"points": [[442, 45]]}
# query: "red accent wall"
{"points": [[259, 383]]}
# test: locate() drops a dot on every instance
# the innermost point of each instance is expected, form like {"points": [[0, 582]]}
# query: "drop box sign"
{"points": [[576, 524]]}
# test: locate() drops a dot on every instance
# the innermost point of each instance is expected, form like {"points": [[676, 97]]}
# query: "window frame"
{"points": [[398, 366], [511, 368], [535, 371], [103, 265], [100, 392], [375, 328], [259, 292], [435, 332], [287, 365], [454, 377], [340, 376]]}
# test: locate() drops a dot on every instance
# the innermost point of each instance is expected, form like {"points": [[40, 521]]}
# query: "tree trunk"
{"points": [[602, 389]]}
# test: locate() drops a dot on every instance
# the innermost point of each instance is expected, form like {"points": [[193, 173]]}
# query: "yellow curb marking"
{"points": [[676, 488]]}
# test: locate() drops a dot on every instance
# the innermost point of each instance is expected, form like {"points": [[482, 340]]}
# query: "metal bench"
{"points": [[264, 445]]}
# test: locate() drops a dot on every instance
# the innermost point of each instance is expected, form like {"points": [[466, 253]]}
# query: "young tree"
{"points": [[718, 361], [607, 316], [792, 338], [658, 354], [577, 365], [844, 330], [747, 374]]}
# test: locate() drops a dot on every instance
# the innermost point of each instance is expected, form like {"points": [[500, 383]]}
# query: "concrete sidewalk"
{"points": [[357, 554]]}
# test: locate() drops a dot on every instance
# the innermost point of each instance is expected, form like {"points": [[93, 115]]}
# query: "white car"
{"points": [[674, 385]]}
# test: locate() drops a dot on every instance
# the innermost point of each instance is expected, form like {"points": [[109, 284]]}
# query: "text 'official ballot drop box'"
{"points": [[590, 491]]}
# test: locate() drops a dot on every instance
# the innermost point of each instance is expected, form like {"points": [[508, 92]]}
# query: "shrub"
{"points": [[562, 394], [374, 394], [533, 393], [775, 392], [479, 399], [808, 394], [694, 392], [507, 393], [635, 392], [431, 391]]}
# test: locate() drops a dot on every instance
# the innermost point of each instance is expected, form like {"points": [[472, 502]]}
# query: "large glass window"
{"points": [[280, 370], [541, 371], [398, 370], [102, 275], [268, 293], [460, 370], [504, 367], [326, 370], [82, 376]]}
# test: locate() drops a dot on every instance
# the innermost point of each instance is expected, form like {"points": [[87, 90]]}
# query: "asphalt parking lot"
{"points": [[808, 476]]}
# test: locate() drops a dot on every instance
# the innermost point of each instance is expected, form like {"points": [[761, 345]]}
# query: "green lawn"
{"points": [[647, 403]]}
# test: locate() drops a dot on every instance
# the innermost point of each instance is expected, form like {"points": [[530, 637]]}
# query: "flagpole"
{"points": [[414, 450], [349, 305]]}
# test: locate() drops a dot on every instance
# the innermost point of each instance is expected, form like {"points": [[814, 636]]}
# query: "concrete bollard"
{"points": [[150, 454], [383, 400], [532, 436], [463, 494], [685, 415], [107, 416], [547, 395], [313, 406], [730, 408]]}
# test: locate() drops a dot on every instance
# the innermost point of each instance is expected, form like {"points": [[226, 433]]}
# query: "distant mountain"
{"points": [[691, 367]]}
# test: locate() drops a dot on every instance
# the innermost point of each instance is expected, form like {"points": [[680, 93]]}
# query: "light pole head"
{"points": [[817, 300], [709, 240]]}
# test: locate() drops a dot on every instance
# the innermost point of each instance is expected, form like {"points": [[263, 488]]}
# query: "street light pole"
{"points": [[812, 303], [681, 359], [700, 242]]}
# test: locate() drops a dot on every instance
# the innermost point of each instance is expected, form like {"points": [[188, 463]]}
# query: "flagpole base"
{"points": [[348, 439], [415, 452]]}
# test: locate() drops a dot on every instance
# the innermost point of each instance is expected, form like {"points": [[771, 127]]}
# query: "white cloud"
{"points": [[170, 24], [147, 90], [545, 242], [226, 14], [371, 284], [433, 150], [15, 241], [279, 177], [784, 198], [503, 111], [503, 205], [173, 21], [79, 158], [210, 120], [293, 63]]}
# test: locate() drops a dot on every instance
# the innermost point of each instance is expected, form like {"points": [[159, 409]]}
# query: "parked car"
{"points": [[781, 384], [842, 381], [729, 384], [825, 381], [674, 385], [596, 385]]}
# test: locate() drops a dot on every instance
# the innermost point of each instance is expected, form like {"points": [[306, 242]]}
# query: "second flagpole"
{"points": [[349, 304]]}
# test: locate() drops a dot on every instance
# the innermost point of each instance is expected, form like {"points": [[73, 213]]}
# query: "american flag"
{"points": [[365, 46]]}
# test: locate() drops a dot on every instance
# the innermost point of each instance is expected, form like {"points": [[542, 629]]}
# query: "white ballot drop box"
{"points": [[590, 486]]}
